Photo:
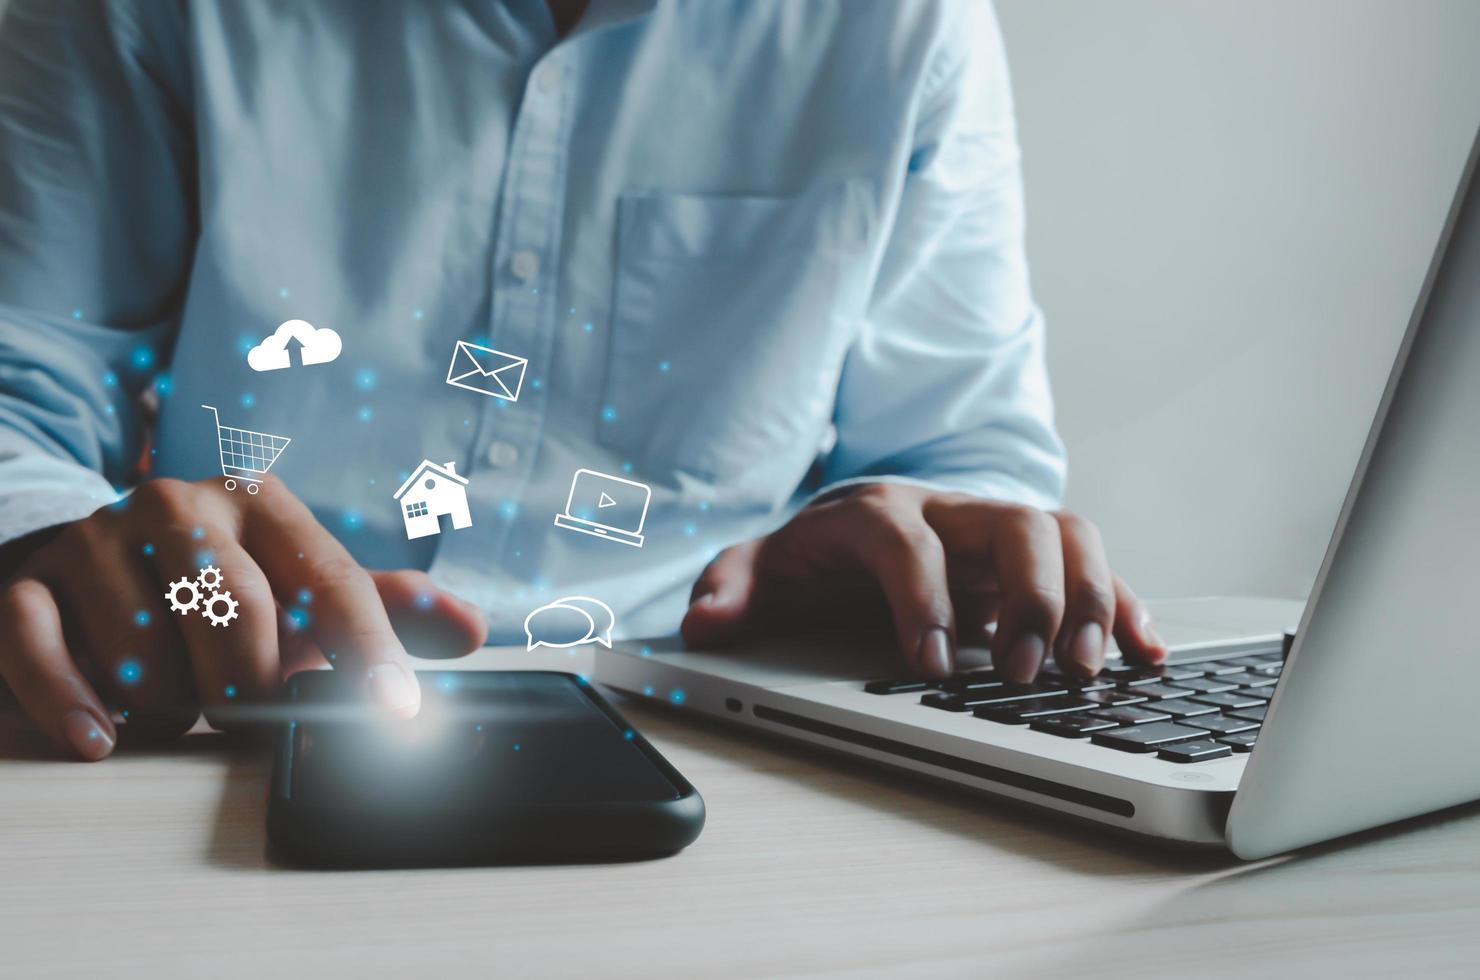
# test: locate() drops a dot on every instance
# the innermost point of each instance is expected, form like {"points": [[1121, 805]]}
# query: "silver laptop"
{"points": [[1241, 741]]}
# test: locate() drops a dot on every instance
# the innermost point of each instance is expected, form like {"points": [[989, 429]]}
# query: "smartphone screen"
{"points": [[483, 740]]}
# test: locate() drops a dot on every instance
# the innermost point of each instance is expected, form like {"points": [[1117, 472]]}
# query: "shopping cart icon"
{"points": [[246, 455]]}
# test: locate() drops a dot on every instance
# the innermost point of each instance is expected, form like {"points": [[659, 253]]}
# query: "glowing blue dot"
{"points": [[365, 414], [628, 734], [352, 520], [332, 657], [447, 682], [365, 379], [164, 384], [417, 313], [572, 311], [536, 383], [197, 532], [588, 326], [231, 690], [676, 695], [248, 399], [305, 596], [477, 728], [109, 379], [109, 410], [664, 366], [626, 467], [648, 691], [424, 600], [690, 529], [296, 619], [142, 357], [130, 671], [141, 618], [124, 712], [508, 509], [204, 558], [245, 343], [608, 414], [516, 746], [704, 505], [77, 314], [148, 548], [582, 678], [92, 733], [646, 650], [283, 292]]}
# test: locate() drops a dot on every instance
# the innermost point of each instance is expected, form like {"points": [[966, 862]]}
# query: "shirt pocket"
{"points": [[731, 318]]}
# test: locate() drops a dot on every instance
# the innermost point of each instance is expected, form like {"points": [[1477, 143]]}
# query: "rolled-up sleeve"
{"points": [[947, 383], [96, 232]]}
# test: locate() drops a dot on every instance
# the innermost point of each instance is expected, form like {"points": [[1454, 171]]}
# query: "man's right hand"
{"points": [[85, 626]]}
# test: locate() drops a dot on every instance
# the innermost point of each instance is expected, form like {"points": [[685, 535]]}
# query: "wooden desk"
{"points": [[151, 864]]}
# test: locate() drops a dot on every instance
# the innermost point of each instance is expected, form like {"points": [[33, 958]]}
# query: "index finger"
{"points": [[346, 618]]}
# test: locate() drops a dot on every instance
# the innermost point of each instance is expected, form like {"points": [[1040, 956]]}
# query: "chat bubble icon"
{"points": [[570, 622]]}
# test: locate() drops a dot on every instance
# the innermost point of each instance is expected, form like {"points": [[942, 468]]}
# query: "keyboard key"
{"points": [[1184, 708], [1229, 699], [1207, 685], [1157, 692], [1269, 670], [1095, 684], [1220, 667], [1016, 692], [895, 687], [1172, 672], [1256, 660], [1250, 679], [1110, 698], [1139, 677], [1130, 715], [966, 700], [1145, 738], [1022, 712], [1072, 726], [1242, 742], [1250, 714], [971, 681], [1262, 693], [1224, 725], [1198, 750]]}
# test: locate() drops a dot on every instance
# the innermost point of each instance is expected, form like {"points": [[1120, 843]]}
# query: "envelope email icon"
{"points": [[486, 371]]}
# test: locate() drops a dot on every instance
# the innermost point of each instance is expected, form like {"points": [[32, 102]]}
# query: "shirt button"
{"points": [[526, 265], [548, 78], [502, 454]]}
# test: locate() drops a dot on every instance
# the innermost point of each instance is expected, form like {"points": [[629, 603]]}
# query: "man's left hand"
{"points": [[946, 566]]}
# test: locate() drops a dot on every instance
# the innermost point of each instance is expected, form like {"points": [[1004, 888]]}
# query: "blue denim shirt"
{"points": [[750, 250]]}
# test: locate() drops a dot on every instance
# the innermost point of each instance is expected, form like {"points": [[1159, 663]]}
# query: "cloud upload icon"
{"points": [[317, 345]]}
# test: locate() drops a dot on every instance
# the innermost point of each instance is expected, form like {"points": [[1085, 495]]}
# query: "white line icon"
{"points": [[606, 506], [570, 622], [431, 491], [486, 371], [204, 592], [246, 455], [316, 345]]}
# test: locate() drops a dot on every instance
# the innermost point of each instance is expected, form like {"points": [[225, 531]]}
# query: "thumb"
{"points": [[429, 622], [722, 597]]}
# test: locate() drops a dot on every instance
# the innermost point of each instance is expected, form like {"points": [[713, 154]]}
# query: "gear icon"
{"points": [[192, 596], [209, 578], [212, 608]]}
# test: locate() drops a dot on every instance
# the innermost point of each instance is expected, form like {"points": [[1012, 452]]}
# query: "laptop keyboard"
{"points": [[1184, 712]]}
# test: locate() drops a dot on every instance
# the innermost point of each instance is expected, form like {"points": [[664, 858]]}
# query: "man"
{"points": [[763, 259]]}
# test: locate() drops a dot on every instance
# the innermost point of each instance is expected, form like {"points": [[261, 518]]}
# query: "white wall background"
{"points": [[1231, 207]]}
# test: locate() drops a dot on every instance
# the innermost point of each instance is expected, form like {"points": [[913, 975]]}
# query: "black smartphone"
{"points": [[498, 767]]}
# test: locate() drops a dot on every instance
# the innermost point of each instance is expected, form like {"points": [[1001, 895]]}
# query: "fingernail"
{"points": [[90, 738], [395, 689], [1024, 659], [1087, 649], [703, 600], [934, 655]]}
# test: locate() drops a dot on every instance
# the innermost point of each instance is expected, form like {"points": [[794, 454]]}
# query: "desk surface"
{"points": [[152, 864]]}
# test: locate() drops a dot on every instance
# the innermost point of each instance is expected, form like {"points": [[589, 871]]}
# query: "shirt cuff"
{"points": [[43, 491]]}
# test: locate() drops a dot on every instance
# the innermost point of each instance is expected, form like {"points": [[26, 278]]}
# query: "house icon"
{"points": [[430, 492]]}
